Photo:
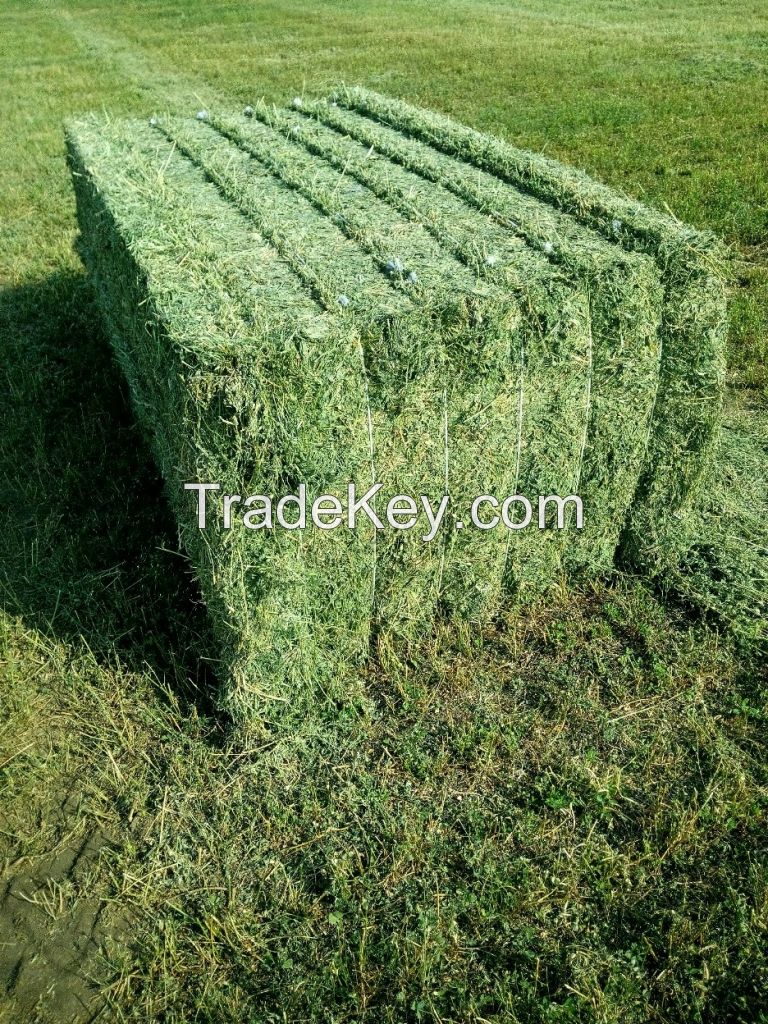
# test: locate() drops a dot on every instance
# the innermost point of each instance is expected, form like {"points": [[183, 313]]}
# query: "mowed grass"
{"points": [[561, 820]]}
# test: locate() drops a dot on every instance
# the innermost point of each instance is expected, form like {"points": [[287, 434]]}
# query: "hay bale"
{"points": [[316, 296], [425, 419], [688, 410], [239, 376], [535, 395], [541, 257], [222, 304]]}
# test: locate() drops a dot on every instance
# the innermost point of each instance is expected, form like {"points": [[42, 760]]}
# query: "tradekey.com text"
{"points": [[399, 512]]}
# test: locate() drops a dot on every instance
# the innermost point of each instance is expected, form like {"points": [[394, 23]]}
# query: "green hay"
{"points": [[687, 414], [536, 392], [203, 336], [623, 289], [621, 349], [313, 296], [422, 406], [211, 354]]}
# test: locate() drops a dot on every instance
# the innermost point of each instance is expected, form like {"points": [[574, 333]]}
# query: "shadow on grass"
{"points": [[88, 549]]}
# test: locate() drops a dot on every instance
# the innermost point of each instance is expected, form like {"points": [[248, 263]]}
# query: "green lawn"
{"points": [[561, 820]]}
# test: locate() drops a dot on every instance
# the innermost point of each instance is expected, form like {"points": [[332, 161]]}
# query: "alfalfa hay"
{"points": [[360, 292]]}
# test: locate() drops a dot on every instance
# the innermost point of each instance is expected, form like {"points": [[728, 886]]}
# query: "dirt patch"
{"points": [[53, 928]]}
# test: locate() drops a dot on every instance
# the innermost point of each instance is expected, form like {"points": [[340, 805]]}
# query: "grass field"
{"points": [[561, 820]]}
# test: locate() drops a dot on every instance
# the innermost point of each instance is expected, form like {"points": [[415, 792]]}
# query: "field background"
{"points": [[562, 820]]}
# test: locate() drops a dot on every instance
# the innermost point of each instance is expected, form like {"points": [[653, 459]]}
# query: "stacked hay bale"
{"points": [[355, 292]]}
